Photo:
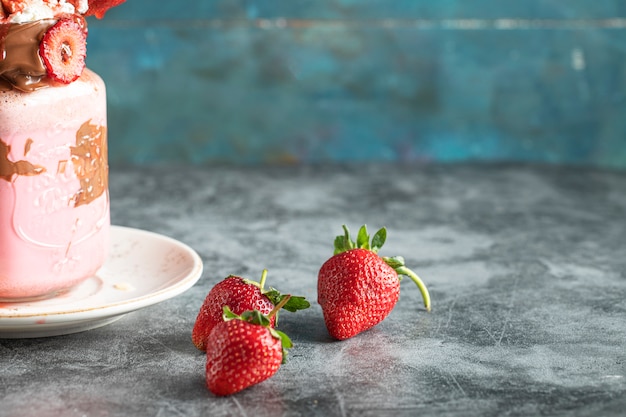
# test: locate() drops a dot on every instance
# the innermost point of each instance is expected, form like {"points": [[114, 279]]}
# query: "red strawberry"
{"points": [[243, 351], [100, 7], [356, 288], [239, 295], [63, 49]]}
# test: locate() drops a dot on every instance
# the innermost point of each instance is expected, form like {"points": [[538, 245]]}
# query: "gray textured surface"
{"points": [[525, 266]]}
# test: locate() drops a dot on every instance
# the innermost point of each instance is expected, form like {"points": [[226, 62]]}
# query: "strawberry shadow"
{"points": [[305, 326]]}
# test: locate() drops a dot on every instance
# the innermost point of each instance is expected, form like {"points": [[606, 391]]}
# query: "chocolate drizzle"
{"points": [[8, 169], [89, 158], [21, 66]]}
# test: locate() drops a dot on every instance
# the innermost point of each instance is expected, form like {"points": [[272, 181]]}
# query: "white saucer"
{"points": [[143, 269]]}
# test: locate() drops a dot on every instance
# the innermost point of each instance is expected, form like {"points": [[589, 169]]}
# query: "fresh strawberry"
{"points": [[357, 288], [100, 7], [243, 351], [239, 295], [62, 49]]}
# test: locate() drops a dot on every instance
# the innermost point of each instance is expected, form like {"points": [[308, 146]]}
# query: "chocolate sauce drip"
{"points": [[8, 168], [89, 157], [21, 66]]}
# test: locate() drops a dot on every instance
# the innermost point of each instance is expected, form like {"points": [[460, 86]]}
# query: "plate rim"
{"points": [[23, 323]]}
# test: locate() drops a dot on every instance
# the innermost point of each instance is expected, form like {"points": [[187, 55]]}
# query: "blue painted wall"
{"points": [[298, 81]]}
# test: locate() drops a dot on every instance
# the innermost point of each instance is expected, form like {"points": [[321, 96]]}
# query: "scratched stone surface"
{"points": [[525, 266], [301, 81]]}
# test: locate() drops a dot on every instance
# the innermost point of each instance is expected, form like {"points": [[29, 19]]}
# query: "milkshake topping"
{"points": [[43, 42]]}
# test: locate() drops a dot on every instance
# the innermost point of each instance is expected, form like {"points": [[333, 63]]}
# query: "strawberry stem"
{"points": [[278, 306], [397, 263], [263, 278], [403, 270]]}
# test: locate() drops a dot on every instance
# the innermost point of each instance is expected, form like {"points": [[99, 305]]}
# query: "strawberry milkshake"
{"points": [[54, 201]]}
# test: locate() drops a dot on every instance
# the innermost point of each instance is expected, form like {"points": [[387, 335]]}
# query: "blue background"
{"points": [[309, 81]]}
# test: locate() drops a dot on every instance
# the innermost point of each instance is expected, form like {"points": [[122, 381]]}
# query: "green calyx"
{"points": [[344, 243], [293, 304], [257, 318]]}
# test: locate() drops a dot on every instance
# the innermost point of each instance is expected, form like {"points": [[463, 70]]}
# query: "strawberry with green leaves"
{"points": [[240, 295], [244, 350], [357, 288]]}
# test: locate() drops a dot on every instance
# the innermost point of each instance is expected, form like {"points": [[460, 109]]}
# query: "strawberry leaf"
{"points": [[256, 317], [273, 294], [394, 262], [251, 316], [340, 245], [348, 241], [362, 238], [285, 341], [344, 243], [379, 240], [229, 315], [294, 304]]}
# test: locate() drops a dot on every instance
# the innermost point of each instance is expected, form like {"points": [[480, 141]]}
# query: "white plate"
{"points": [[143, 269]]}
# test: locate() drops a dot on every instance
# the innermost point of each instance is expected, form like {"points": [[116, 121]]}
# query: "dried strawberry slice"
{"points": [[100, 7], [63, 49]]}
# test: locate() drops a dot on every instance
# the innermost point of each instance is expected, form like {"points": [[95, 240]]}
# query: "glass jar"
{"points": [[54, 200]]}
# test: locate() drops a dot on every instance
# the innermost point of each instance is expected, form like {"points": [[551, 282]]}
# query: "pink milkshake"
{"points": [[54, 201]]}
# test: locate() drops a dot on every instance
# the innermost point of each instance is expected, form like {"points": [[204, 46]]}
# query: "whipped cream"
{"points": [[46, 9]]}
